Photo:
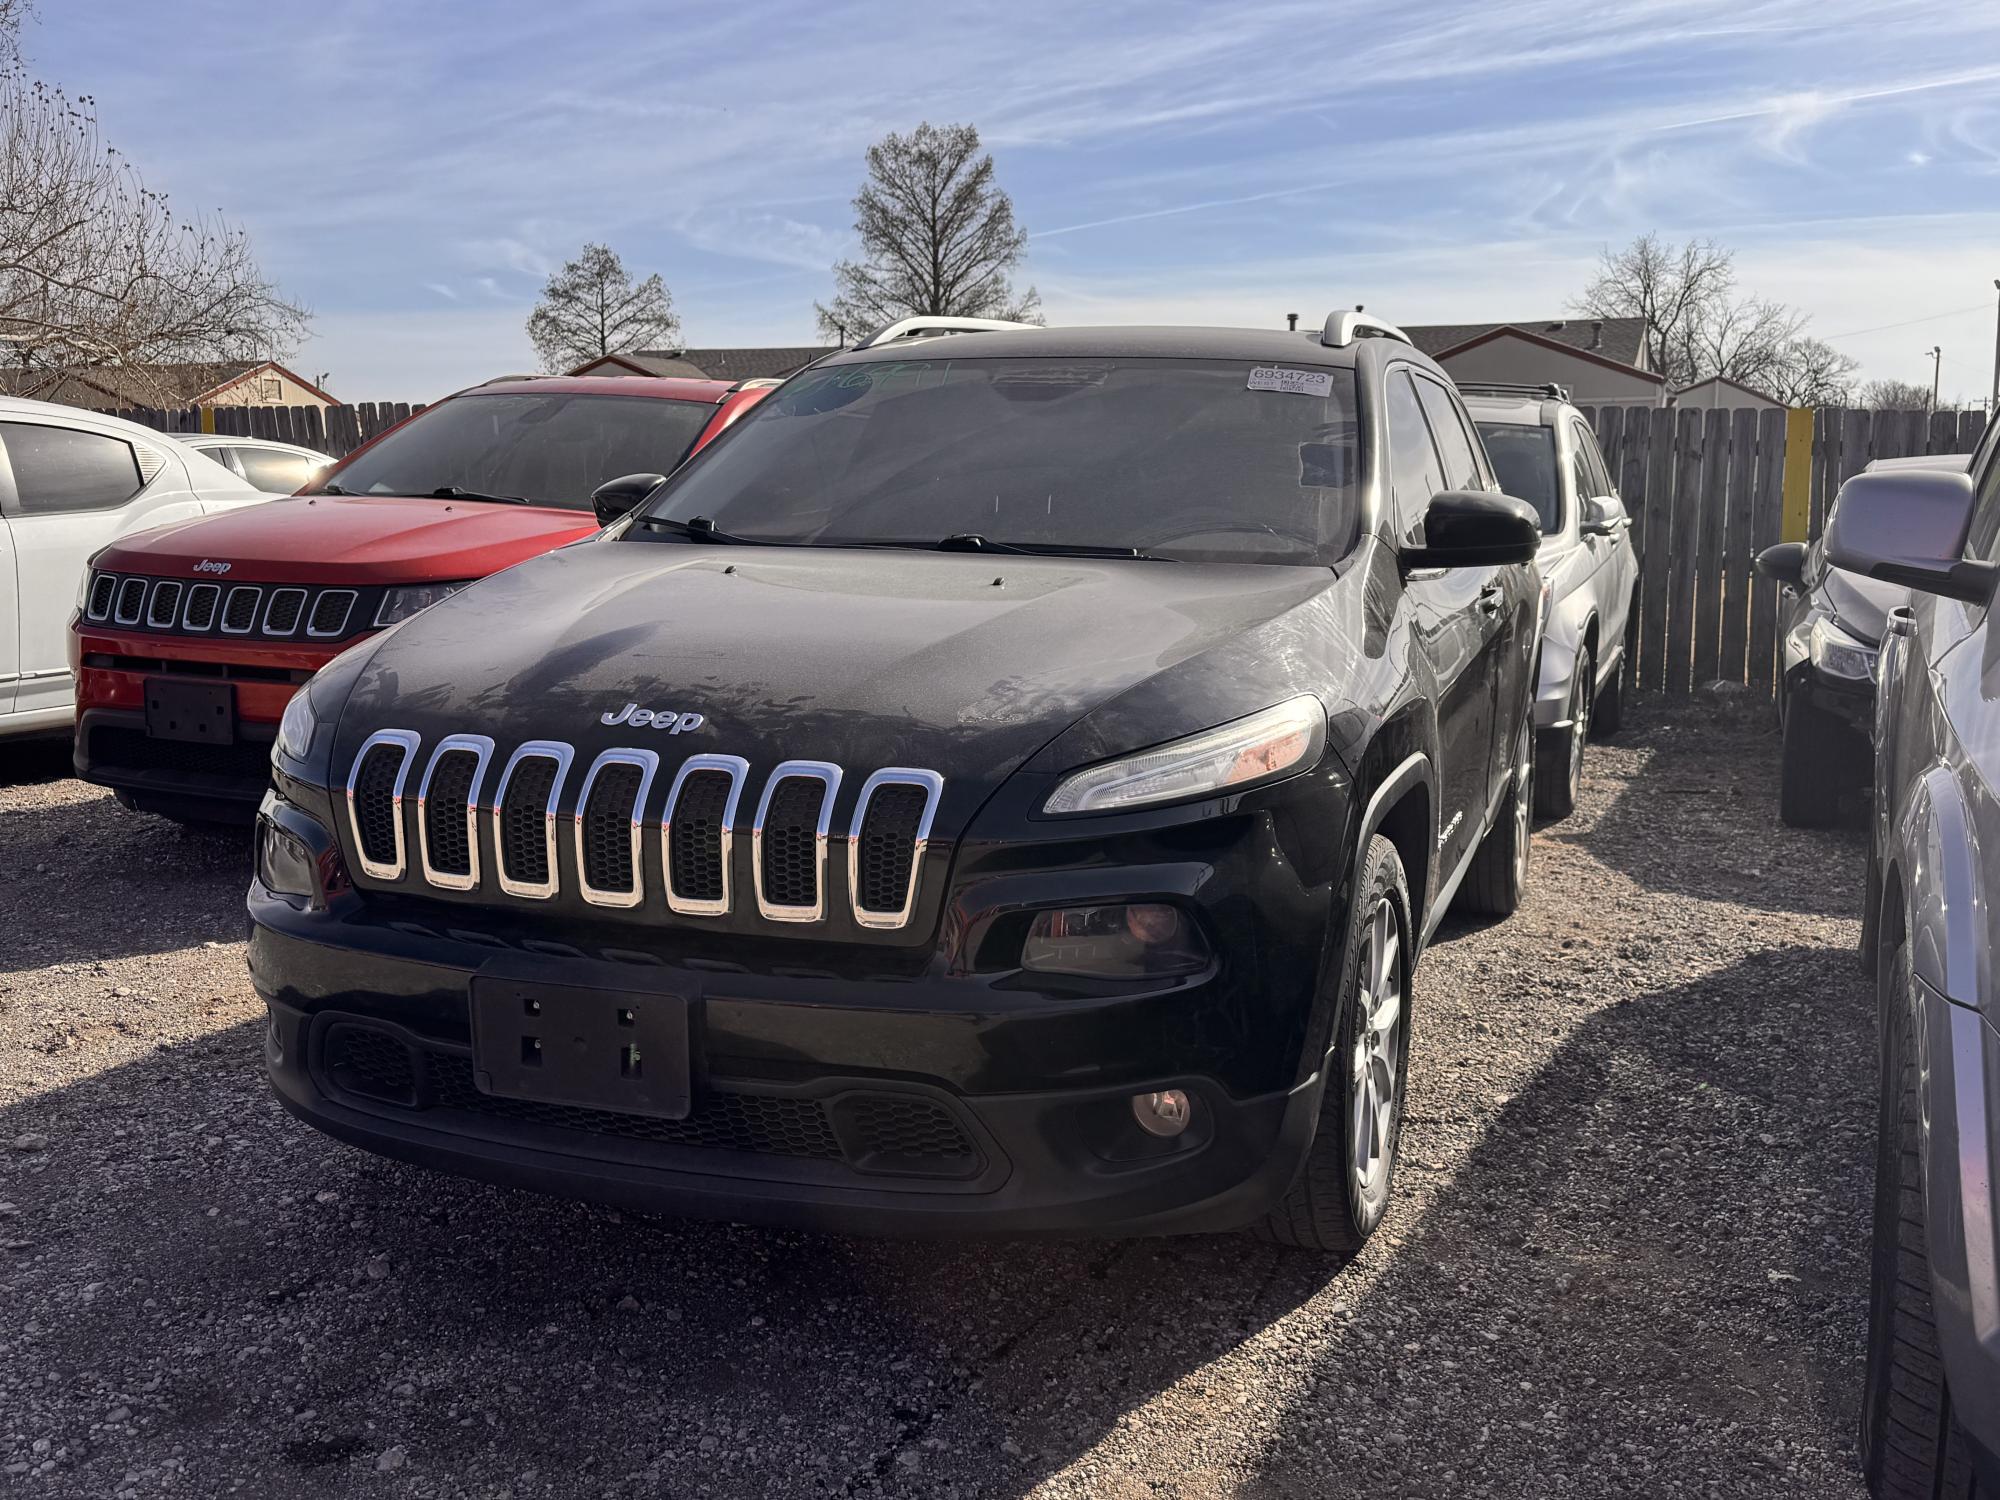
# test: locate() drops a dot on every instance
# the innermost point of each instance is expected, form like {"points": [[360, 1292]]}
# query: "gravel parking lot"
{"points": [[1628, 1256]]}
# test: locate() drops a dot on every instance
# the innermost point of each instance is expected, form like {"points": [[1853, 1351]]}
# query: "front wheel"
{"points": [[1559, 763], [1498, 878], [1607, 716], [1342, 1189]]}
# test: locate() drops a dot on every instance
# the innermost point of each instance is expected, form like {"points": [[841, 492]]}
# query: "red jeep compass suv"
{"points": [[190, 639]]}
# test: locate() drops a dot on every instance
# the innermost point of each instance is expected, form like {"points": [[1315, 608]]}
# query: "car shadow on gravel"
{"points": [[1649, 1274], [31, 762]]}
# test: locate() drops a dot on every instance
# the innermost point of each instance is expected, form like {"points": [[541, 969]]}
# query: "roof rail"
{"points": [[924, 327], [1547, 390], [1343, 328]]}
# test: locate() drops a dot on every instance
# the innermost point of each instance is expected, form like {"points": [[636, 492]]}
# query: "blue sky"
{"points": [[412, 171]]}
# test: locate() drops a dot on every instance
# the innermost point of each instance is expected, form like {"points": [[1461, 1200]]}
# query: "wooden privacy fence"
{"points": [[1708, 491], [337, 430]]}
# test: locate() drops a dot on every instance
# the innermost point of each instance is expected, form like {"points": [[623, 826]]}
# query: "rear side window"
{"points": [[58, 470], [1461, 462], [1414, 470], [273, 472]]}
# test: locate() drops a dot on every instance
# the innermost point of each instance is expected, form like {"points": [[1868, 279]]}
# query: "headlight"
{"points": [[401, 603], [1237, 754], [1839, 654], [295, 729]]}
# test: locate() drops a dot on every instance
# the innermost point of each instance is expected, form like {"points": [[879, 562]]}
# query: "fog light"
{"points": [[1164, 1114]]}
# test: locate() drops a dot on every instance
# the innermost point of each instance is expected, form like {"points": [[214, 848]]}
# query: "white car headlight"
{"points": [[1839, 654], [1236, 754], [399, 604], [295, 729]]}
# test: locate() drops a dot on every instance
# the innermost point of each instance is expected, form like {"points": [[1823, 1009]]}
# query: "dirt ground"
{"points": [[1628, 1254]]}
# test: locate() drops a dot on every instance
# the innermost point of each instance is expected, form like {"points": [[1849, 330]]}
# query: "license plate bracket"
{"points": [[198, 713], [586, 1046]]}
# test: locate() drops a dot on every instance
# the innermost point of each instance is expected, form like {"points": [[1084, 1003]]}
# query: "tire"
{"points": [[1499, 875], [1559, 756], [1336, 1201], [1912, 1447], [1607, 717], [1812, 766]]}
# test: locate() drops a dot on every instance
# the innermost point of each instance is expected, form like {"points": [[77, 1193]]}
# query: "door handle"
{"points": [[1490, 599], [1900, 621]]}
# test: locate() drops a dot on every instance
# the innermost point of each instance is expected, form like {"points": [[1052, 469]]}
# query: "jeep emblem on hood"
{"points": [[657, 718], [207, 566]]}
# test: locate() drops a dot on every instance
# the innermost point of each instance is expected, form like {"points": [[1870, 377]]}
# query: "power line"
{"points": [[1908, 322]]}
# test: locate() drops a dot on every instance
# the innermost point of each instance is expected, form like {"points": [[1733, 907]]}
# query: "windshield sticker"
{"points": [[1296, 382]]}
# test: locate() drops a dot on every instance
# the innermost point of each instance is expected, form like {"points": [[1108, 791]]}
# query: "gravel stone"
{"points": [[1597, 1278]]}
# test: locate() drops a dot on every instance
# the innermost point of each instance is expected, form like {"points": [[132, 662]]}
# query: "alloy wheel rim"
{"points": [[1579, 727], [1524, 804], [1377, 1061]]}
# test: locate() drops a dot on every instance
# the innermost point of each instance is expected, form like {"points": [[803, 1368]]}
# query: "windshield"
{"points": [[1525, 460], [1184, 459], [548, 449]]}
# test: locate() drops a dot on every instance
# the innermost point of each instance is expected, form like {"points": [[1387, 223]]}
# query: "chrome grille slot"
{"points": [[885, 846], [524, 818], [103, 589], [239, 611], [165, 606], [329, 613], [448, 810], [375, 801], [281, 615], [697, 833], [201, 602], [788, 840], [610, 861], [131, 601]]}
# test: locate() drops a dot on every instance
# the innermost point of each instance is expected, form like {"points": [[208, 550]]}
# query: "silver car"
{"points": [[275, 468], [1931, 925], [1546, 454]]}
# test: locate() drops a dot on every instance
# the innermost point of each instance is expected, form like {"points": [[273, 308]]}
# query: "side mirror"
{"points": [[1476, 529], [1785, 563], [614, 497], [1909, 527], [1603, 515]]}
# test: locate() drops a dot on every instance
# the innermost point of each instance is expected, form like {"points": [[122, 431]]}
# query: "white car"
{"points": [[275, 468], [70, 481], [1546, 454]]}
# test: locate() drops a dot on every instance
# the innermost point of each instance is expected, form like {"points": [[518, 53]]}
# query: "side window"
{"points": [[1462, 468], [273, 472], [1413, 462], [58, 470], [1984, 542], [1580, 481], [1593, 458]]}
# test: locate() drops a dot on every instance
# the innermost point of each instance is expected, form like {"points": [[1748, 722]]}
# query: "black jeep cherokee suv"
{"points": [[1004, 784]]}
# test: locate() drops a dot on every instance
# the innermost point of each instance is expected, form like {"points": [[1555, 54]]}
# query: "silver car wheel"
{"points": [[1378, 1053]]}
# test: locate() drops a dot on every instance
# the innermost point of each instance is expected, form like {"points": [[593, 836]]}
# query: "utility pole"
{"points": [[1937, 368]]}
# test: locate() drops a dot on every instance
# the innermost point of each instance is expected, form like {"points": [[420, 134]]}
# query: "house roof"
{"points": [[188, 383], [1620, 340], [713, 364], [1748, 390], [1515, 331]]}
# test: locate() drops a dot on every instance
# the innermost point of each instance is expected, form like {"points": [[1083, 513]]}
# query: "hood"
{"points": [[1862, 604], [961, 664], [351, 539]]}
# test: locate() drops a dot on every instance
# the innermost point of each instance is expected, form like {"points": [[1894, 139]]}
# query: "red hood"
{"points": [[350, 539]]}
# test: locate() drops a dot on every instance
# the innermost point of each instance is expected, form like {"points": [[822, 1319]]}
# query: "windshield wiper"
{"points": [[703, 529], [972, 541], [454, 492]]}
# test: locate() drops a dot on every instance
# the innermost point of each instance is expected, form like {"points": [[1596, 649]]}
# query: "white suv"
{"points": [[70, 481]]}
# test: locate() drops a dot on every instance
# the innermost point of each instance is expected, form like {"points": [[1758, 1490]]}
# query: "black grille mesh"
{"points": [[202, 599], [607, 828], [363, 1060], [329, 612], [446, 835], [131, 750], [240, 613], [524, 847], [889, 845], [791, 833], [374, 802], [696, 836], [101, 589], [166, 604], [900, 1129], [131, 598], [286, 607]]}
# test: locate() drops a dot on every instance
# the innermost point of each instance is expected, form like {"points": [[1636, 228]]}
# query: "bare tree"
{"points": [[1674, 288], [12, 14], [937, 237], [591, 308], [1810, 372], [1894, 395], [97, 270]]}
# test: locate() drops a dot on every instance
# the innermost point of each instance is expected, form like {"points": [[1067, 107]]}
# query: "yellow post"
{"points": [[208, 425], [1798, 474]]}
